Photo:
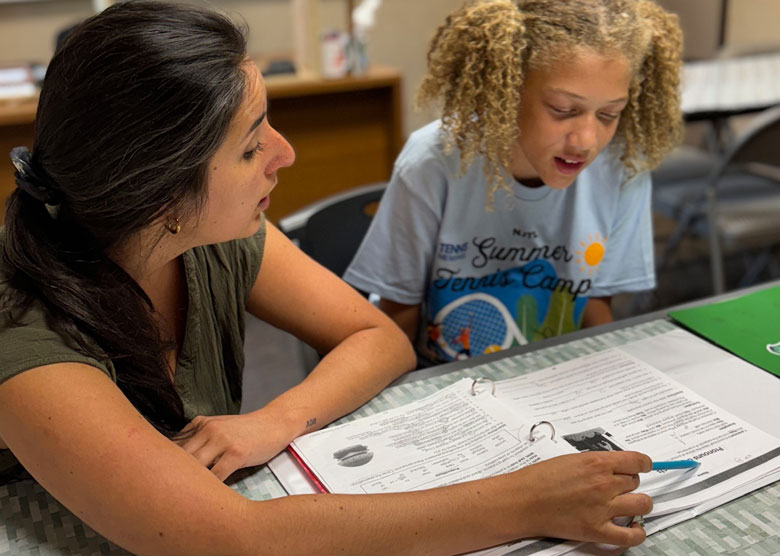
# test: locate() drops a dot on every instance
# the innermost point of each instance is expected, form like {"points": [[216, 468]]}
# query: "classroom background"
{"points": [[348, 129]]}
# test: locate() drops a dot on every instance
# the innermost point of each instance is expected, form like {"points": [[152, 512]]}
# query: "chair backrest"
{"points": [[758, 143], [683, 163], [743, 194], [330, 230]]}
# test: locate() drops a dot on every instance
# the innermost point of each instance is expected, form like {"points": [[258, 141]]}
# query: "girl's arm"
{"points": [[364, 350], [598, 310], [407, 317], [76, 433]]}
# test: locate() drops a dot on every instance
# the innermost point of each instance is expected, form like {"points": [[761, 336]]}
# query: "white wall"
{"points": [[700, 20], [400, 37], [753, 24]]}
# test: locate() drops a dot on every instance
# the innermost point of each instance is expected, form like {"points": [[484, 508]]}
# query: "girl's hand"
{"points": [[225, 443]]}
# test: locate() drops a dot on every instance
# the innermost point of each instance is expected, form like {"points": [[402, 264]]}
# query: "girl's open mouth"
{"points": [[568, 166]]}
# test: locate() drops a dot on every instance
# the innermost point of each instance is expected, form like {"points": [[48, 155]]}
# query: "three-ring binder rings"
{"points": [[605, 401]]}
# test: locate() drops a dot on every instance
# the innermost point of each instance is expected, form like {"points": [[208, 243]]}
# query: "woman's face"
{"points": [[569, 112], [242, 172]]}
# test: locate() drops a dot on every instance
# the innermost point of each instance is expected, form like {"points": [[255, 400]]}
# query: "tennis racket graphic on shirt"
{"points": [[476, 323]]}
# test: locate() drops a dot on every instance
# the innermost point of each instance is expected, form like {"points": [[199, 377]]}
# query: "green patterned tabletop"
{"points": [[33, 523]]}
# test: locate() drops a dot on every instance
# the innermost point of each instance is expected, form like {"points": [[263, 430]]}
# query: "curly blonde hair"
{"points": [[479, 57]]}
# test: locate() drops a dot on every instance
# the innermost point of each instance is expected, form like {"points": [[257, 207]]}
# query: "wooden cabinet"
{"points": [[346, 132]]}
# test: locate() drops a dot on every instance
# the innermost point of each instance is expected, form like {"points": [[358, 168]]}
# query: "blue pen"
{"points": [[679, 464]]}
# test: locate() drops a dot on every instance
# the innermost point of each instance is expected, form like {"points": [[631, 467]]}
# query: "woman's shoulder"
{"points": [[27, 338], [29, 341]]}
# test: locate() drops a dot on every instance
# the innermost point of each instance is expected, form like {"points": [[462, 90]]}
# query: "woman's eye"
{"points": [[608, 116], [258, 148]]}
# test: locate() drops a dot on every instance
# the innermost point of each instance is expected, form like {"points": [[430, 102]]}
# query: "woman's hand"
{"points": [[364, 351], [580, 496], [225, 443]]}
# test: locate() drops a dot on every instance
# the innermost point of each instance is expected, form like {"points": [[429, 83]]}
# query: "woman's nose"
{"points": [[284, 156]]}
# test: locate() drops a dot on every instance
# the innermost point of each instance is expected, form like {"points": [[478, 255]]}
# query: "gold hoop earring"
{"points": [[175, 228]]}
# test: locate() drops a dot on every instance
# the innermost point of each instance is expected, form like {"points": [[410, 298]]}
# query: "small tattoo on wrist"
{"points": [[311, 422]]}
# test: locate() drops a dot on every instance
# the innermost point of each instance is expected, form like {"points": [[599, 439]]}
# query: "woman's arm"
{"points": [[76, 433], [364, 351]]}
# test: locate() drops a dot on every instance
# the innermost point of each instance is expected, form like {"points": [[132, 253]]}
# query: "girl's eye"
{"points": [[561, 111], [608, 117], [249, 155]]}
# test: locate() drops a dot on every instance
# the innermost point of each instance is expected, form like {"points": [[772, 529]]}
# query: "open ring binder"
{"points": [[482, 380], [531, 436]]}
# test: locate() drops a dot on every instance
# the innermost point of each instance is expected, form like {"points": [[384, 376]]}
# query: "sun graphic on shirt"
{"points": [[591, 253]]}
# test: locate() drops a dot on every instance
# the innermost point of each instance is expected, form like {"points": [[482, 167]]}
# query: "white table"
{"points": [[715, 90]]}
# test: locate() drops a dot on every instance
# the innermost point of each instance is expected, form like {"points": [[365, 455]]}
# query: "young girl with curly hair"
{"points": [[518, 214]]}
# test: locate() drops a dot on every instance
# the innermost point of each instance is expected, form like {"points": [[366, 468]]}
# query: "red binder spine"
{"points": [[318, 485]]}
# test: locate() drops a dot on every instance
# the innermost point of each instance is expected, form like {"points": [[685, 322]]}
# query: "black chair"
{"points": [[330, 230], [734, 205]]}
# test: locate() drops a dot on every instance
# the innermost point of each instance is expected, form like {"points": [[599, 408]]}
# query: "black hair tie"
{"points": [[32, 180]]}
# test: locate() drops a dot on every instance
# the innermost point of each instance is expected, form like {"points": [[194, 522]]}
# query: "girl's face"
{"points": [[569, 112], [242, 172]]}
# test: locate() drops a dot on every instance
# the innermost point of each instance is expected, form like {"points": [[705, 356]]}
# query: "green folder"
{"points": [[748, 326]]}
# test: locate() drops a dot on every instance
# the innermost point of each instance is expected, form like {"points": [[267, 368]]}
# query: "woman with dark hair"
{"points": [[133, 245]]}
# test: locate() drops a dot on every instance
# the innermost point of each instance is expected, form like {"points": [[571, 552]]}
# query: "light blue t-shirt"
{"points": [[488, 280]]}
